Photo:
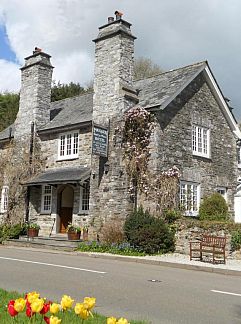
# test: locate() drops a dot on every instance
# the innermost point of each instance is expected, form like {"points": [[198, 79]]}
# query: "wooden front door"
{"points": [[65, 218]]}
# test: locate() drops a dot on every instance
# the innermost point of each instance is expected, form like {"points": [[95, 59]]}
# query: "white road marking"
{"points": [[225, 292], [53, 265]]}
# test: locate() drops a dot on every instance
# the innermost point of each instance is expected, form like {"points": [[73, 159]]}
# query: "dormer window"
{"points": [[68, 146], [200, 141]]}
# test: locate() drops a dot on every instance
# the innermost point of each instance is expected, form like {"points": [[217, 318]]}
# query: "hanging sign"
{"points": [[100, 141]]}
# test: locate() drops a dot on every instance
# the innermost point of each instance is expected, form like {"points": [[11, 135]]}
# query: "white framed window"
{"points": [[4, 199], [46, 202], [84, 197], [68, 147], [190, 197], [200, 141], [222, 191]]}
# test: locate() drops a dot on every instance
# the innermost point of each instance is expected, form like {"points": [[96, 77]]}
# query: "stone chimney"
{"points": [[114, 63], [35, 93]]}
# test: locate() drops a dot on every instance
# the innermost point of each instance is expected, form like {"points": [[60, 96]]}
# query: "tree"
{"points": [[61, 91], [144, 68], [9, 103]]}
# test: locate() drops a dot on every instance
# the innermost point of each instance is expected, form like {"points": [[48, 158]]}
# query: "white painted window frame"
{"points": [[46, 195], [224, 190], [4, 199], [70, 147], [200, 141], [82, 193], [194, 194]]}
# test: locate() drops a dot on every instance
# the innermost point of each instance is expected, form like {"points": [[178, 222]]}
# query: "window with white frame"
{"points": [[68, 146], [200, 141], [222, 191], [4, 199], [46, 199], [84, 197], [190, 197]]}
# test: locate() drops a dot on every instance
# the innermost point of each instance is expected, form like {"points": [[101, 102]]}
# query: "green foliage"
{"points": [[149, 234], [171, 215], [236, 240], [114, 248], [11, 231], [61, 91], [9, 103], [214, 208]]}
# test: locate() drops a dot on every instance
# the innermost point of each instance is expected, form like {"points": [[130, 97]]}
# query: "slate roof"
{"points": [[155, 91], [7, 133], [71, 111], [63, 175], [161, 89]]}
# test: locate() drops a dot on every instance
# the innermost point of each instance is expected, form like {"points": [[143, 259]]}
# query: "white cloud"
{"points": [[172, 33], [9, 77]]}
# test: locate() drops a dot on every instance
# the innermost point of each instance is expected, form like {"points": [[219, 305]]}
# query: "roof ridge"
{"points": [[172, 70], [79, 95]]}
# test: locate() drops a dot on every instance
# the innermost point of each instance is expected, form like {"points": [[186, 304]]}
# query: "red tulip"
{"points": [[11, 309], [45, 309], [29, 312], [47, 320]]}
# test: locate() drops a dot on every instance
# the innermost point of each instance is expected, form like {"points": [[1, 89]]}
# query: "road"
{"points": [[135, 291]]}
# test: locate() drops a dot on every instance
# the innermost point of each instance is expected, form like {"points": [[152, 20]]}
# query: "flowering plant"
{"points": [[38, 309], [73, 228], [33, 225]]}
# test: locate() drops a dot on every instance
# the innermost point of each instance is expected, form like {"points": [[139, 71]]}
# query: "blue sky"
{"points": [[5, 51]]}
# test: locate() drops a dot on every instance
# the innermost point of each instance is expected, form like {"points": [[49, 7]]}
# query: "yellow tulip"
{"points": [[122, 321], [66, 302], [89, 302], [54, 308], [37, 305], [32, 296], [54, 320], [19, 304], [111, 320], [81, 310]]}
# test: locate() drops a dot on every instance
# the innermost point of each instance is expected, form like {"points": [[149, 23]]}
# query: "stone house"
{"points": [[195, 130]]}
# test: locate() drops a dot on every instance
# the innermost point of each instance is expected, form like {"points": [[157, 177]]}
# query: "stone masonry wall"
{"points": [[196, 105]]}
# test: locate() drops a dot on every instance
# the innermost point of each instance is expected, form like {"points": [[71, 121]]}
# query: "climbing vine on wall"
{"points": [[16, 167], [161, 187]]}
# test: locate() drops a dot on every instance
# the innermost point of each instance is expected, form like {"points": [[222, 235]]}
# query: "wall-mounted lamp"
{"points": [[106, 167]]}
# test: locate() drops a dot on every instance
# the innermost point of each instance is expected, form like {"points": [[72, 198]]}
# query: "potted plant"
{"points": [[33, 229], [73, 232], [85, 233]]}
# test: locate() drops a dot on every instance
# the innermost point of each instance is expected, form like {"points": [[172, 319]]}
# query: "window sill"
{"points": [[67, 159], [204, 157], [83, 212], [191, 214], [45, 213]]}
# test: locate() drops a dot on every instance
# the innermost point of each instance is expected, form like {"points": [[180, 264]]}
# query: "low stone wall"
{"points": [[186, 235]]}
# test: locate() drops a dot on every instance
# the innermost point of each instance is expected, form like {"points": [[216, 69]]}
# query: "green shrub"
{"points": [[236, 240], [171, 215], [213, 208], [11, 231], [148, 234]]}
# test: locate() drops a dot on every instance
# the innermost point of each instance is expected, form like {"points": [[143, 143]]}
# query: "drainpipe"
{"points": [[27, 197]]}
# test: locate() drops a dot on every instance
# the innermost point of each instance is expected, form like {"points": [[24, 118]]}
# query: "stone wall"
{"points": [[173, 141]]}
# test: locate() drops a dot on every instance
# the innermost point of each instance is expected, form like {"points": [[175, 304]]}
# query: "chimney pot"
{"points": [[37, 50], [110, 20], [118, 14]]}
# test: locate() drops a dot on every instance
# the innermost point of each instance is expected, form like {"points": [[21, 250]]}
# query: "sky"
{"points": [[172, 33]]}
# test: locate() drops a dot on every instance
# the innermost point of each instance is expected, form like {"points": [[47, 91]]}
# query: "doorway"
{"points": [[65, 203]]}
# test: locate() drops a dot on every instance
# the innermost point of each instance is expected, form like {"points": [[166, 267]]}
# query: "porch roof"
{"points": [[61, 175]]}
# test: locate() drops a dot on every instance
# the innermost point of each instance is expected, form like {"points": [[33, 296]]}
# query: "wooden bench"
{"points": [[209, 245]]}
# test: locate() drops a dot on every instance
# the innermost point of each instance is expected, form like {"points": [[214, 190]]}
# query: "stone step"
{"points": [[44, 242]]}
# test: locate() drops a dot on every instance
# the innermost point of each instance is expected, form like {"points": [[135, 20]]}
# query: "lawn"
{"points": [[67, 317]]}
